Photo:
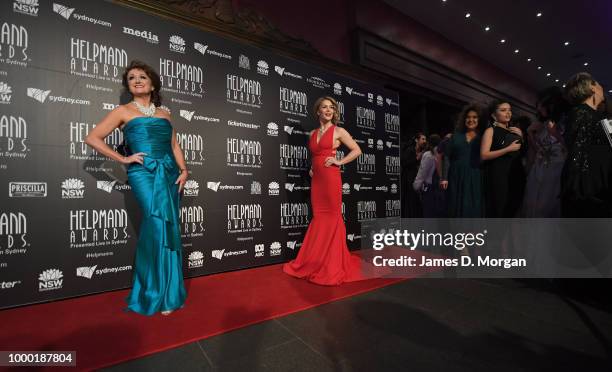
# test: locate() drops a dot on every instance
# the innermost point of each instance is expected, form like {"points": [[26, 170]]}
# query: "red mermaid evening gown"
{"points": [[324, 257]]}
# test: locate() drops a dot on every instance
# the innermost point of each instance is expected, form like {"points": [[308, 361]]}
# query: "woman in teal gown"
{"points": [[461, 168], [156, 174]]}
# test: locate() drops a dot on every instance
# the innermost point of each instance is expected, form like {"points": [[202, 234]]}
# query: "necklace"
{"points": [[146, 111]]}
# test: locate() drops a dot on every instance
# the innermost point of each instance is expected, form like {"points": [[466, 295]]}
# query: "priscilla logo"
{"points": [[192, 220], [144, 34], [13, 44], [13, 231], [50, 280], [177, 44], [5, 93], [196, 259], [293, 102], [27, 189], [66, 12], [27, 7]]}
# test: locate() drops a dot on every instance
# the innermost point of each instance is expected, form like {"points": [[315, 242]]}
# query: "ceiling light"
{"points": [[487, 28], [502, 41], [586, 63], [610, 91], [556, 80], [563, 85], [548, 74], [528, 59], [566, 43], [467, 15], [539, 14], [539, 67], [516, 50]]}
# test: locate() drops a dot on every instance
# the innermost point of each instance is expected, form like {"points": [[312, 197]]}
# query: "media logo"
{"points": [[192, 221], [86, 271], [73, 188], [294, 215], [144, 34], [293, 102], [382, 188], [272, 130], [66, 13], [27, 7], [262, 67], [366, 118], [243, 62], [260, 250], [98, 227], [13, 137], [243, 218], [109, 106], [5, 93], [392, 165], [181, 78], [244, 153], [27, 189], [294, 157], [243, 91], [392, 123], [13, 231], [366, 164], [191, 188], [177, 44], [13, 44], [193, 146], [195, 259], [50, 280], [366, 210], [255, 188], [275, 249], [273, 188]]}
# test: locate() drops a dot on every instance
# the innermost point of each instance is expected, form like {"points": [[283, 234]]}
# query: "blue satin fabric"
{"points": [[158, 273]]}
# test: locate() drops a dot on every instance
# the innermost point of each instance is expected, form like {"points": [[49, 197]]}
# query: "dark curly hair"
{"points": [[151, 73], [460, 125]]}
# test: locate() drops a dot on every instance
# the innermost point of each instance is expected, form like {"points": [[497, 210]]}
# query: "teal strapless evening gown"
{"points": [[158, 273]]}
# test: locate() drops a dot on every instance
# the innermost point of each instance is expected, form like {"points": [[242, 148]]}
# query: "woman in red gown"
{"points": [[324, 257]]}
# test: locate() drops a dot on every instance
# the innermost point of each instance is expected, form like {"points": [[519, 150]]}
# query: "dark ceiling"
{"points": [[587, 25]]}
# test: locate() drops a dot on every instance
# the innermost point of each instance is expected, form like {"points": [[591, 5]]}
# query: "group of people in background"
{"points": [[495, 165]]}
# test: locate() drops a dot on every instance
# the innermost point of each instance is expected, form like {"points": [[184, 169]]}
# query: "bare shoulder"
{"points": [[163, 113]]}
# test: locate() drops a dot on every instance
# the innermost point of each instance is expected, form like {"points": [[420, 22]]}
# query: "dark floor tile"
{"points": [[254, 339], [185, 358], [290, 356]]}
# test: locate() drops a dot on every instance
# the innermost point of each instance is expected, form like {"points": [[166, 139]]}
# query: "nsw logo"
{"points": [[28, 7], [192, 188], [5, 93], [177, 44], [273, 188], [196, 259], [275, 249], [50, 280]]}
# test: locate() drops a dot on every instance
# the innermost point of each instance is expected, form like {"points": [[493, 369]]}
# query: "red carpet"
{"points": [[102, 334]]}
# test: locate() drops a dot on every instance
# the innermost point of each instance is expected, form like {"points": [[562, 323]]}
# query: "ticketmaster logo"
{"points": [[38, 94], [86, 272]]}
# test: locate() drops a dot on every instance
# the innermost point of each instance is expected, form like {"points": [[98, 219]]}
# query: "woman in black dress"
{"points": [[586, 176], [499, 149]]}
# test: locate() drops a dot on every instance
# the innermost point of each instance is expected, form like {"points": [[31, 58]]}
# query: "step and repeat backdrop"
{"points": [[68, 220]]}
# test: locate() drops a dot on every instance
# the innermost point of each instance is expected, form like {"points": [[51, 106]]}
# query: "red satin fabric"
{"points": [[324, 257]]}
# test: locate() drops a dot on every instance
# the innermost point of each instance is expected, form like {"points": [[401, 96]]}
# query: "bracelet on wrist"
{"points": [[184, 170]]}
